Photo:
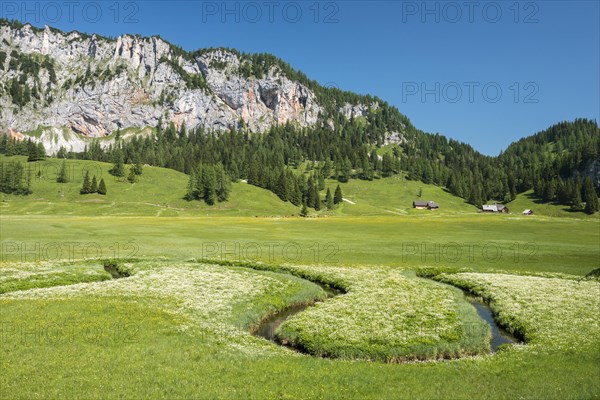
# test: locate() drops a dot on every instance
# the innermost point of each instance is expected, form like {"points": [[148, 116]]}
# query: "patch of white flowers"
{"points": [[553, 312], [202, 296], [384, 314], [15, 275]]}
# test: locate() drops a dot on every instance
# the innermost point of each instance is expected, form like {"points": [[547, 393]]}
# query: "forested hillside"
{"points": [[255, 118]]}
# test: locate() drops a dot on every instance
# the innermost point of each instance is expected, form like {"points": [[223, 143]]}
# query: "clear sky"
{"points": [[484, 72]]}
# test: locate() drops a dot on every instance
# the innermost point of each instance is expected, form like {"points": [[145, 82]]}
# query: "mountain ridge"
{"points": [[94, 86]]}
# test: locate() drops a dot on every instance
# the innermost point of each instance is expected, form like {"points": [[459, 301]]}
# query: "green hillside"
{"points": [[528, 201], [394, 196], [158, 192]]}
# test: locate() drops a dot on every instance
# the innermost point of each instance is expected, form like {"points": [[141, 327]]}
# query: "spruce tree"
{"points": [[191, 187], [132, 177], [223, 183], [102, 187], [338, 197], [41, 151], [590, 196], [137, 164], [304, 210], [86, 187], [94, 185], [32, 151], [321, 182], [329, 199], [317, 201], [280, 186], [576, 201], [209, 184], [62, 175], [118, 168]]}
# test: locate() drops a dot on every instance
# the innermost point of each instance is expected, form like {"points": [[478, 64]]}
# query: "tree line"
{"points": [[294, 162]]}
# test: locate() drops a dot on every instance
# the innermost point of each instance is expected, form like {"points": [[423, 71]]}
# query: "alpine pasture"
{"points": [[194, 282]]}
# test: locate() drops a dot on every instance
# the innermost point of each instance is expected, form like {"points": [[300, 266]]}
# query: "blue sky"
{"points": [[483, 72]]}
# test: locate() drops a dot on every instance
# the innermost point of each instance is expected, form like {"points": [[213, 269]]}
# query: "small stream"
{"points": [[499, 335], [269, 326]]}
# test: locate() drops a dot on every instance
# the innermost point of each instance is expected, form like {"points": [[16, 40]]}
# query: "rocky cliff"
{"points": [[90, 86]]}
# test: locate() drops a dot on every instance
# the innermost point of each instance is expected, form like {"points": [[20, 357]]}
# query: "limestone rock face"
{"points": [[91, 86]]}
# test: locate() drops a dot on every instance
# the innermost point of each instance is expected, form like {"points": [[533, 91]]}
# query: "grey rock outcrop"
{"points": [[102, 85]]}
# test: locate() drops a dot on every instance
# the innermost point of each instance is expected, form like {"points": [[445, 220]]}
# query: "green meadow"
{"points": [[181, 328]]}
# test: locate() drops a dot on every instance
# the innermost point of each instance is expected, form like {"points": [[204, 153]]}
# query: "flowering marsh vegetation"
{"points": [[23, 276], [548, 312], [385, 315], [216, 303]]}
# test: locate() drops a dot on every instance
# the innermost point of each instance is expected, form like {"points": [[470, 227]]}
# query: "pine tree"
{"points": [[209, 184], [137, 164], [329, 199], [94, 185], [549, 191], [86, 187], [475, 197], [118, 168], [191, 187], [132, 177], [102, 187], [280, 186], [32, 151], [590, 196], [321, 182], [41, 151], [338, 196], [304, 210], [387, 165], [576, 201], [345, 170], [223, 183], [296, 196], [62, 175], [312, 195]]}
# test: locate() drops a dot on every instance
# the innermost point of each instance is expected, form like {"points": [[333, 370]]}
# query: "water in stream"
{"points": [[268, 327], [499, 336]]}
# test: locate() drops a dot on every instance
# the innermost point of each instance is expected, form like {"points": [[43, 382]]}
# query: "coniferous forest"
{"points": [[553, 162]]}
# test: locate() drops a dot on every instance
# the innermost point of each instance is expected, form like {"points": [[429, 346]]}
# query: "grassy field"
{"points": [[159, 192], [475, 241], [181, 329], [177, 330]]}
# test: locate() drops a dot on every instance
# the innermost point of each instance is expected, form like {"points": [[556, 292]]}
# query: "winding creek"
{"points": [[499, 335], [268, 328]]}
